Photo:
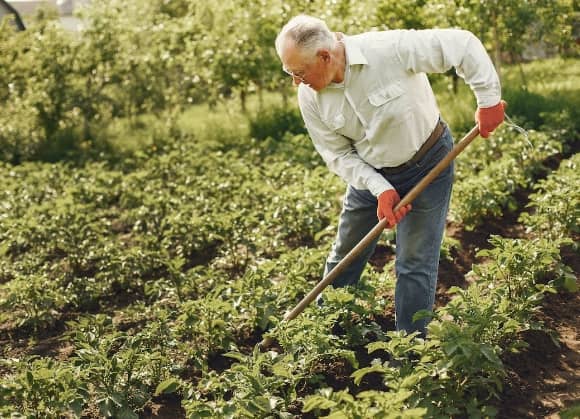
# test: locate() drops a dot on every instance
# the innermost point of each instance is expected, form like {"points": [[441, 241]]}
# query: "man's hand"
{"points": [[489, 119], [387, 202]]}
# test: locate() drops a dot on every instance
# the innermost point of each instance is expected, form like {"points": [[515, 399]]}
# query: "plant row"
{"points": [[554, 207], [192, 326], [74, 239], [489, 173]]}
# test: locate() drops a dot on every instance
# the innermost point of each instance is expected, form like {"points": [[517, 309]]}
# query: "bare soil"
{"points": [[544, 379]]}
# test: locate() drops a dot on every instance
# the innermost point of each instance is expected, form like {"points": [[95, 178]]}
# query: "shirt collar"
{"points": [[354, 54]]}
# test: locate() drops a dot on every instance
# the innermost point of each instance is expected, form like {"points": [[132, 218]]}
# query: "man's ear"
{"points": [[324, 54]]}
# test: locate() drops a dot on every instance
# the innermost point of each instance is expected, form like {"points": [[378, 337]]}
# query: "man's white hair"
{"points": [[309, 35]]}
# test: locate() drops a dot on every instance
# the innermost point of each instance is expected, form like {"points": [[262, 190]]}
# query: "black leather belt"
{"points": [[433, 138]]}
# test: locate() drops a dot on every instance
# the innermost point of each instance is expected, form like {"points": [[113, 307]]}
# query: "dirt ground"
{"points": [[544, 379]]}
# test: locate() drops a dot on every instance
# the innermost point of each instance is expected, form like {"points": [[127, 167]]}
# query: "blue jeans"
{"points": [[419, 235]]}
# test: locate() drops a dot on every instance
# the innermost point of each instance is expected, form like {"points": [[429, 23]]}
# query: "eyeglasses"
{"points": [[299, 75]]}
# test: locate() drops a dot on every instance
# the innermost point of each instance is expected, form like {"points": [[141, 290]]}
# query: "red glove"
{"points": [[387, 202], [489, 119]]}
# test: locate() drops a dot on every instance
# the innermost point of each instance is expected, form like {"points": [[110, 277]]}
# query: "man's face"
{"points": [[313, 72]]}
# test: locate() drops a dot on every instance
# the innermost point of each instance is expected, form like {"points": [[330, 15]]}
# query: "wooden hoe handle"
{"points": [[376, 231]]}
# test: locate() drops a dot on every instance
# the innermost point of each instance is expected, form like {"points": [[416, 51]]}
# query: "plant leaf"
{"points": [[168, 386]]}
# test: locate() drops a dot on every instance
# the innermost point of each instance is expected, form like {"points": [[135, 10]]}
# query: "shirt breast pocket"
{"points": [[346, 124], [388, 105], [386, 94]]}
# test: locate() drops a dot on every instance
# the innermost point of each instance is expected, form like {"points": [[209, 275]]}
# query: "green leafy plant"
{"points": [[43, 387], [554, 208]]}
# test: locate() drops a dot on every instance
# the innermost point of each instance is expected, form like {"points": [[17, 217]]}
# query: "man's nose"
{"points": [[296, 80]]}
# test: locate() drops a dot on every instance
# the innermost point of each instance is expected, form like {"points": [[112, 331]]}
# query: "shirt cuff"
{"points": [[487, 97], [378, 184]]}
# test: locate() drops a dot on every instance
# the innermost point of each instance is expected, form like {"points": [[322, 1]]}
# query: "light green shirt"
{"points": [[385, 109]]}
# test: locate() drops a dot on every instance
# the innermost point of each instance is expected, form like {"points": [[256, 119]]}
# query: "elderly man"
{"points": [[372, 115]]}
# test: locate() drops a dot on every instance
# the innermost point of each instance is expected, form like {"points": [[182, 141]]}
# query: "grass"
{"points": [[197, 117], [545, 77], [217, 123]]}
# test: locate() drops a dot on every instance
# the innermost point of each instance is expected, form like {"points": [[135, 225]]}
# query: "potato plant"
{"points": [[554, 207], [457, 370], [504, 164]]}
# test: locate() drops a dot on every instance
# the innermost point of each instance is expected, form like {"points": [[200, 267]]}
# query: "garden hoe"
{"points": [[375, 232]]}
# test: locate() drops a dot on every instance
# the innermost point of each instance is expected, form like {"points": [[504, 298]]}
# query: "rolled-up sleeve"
{"points": [[338, 152], [437, 50]]}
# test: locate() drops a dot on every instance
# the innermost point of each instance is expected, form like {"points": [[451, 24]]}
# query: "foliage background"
{"points": [[60, 91]]}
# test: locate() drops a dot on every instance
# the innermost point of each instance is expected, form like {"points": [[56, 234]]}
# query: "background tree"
{"points": [[153, 59], [36, 73], [506, 27]]}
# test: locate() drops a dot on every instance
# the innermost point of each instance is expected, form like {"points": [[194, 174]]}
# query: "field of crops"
{"points": [[142, 286], [161, 208]]}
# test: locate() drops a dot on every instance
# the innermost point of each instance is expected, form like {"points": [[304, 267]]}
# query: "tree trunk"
{"points": [[284, 93], [496, 44], [243, 99], [260, 96], [86, 129]]}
